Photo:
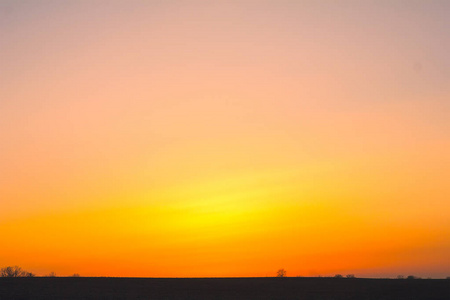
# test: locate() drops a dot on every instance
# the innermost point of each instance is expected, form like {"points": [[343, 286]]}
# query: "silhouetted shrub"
{"points": [[350, 276], [52, 274], [412, 277], [400, 277], [338, 276], [281, 273], [76, 275], [12, 272]]}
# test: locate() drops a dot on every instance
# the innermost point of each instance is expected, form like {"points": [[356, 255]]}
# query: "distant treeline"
{"points": [[282, 273], [16, 271]]}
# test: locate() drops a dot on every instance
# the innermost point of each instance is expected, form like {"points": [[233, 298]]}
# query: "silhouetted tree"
{"points": [[281, 273], [350, 276], [338, 276], [52, 274], [76, 275], [411, 277], [14, 271], [29, 274]]}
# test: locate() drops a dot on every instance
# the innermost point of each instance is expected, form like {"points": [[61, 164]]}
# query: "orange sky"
{"points": [[234, 138]]}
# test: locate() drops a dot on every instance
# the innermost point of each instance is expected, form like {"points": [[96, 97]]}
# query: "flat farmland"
{"points": [[223, 288]]}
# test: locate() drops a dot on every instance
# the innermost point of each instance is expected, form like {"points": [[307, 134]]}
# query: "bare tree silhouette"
{"points": [[14, 271], [281, 273]]}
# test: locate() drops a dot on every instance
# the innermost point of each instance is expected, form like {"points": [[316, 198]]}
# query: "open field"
{"points": [[222, 288]]}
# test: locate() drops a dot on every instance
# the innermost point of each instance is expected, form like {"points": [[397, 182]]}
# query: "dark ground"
{"points": [[223, 288]]}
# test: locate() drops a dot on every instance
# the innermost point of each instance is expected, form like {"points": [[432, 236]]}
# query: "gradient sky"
{"points": [[233, 138]]}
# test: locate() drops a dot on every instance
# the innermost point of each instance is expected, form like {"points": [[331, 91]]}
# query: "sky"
{"points": [[225, 138]]}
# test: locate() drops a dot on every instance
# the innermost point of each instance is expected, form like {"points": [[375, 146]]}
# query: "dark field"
{"points": [[222, 288]]}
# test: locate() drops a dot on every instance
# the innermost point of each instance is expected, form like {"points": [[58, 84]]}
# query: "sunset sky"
{"points": [[225, 138]]}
